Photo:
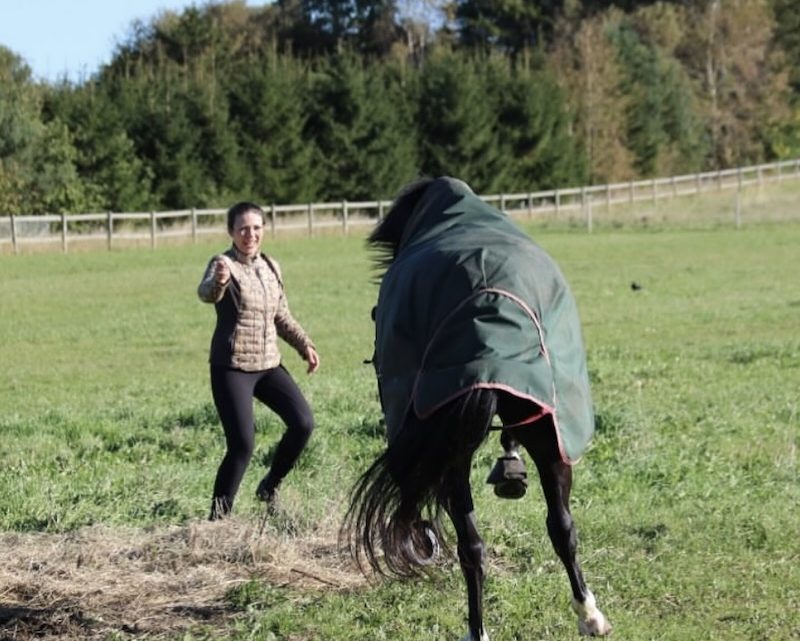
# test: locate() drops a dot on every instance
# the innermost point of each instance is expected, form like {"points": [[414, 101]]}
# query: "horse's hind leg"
{"points": [[471, 550], [556, 480]]}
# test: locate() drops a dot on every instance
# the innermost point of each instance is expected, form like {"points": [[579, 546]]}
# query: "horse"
{"points": [[473, 321]]}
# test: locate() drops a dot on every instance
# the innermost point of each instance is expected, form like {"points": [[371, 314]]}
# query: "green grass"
{"points": [[687, 502]]}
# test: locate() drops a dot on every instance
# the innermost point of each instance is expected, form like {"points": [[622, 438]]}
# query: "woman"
{"points": [[246, 288]]}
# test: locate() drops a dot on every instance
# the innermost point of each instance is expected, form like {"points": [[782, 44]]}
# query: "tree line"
{"points": [[318, 100]]}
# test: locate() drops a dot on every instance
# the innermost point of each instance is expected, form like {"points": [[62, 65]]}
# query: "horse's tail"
{"points": [[410, 479]]}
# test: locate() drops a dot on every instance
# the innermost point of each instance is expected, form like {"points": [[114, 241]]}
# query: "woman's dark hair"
{"points": [[243, 208]]}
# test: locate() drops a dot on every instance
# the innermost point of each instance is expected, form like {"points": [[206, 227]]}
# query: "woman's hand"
{"points": [[312, 358], [222, 273]]}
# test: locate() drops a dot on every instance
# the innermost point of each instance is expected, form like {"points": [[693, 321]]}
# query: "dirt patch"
{"points": [[95, 581]]}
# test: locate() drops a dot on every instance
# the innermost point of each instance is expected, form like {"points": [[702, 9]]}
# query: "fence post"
{"points": [[310, 220], [530, 205], [14, 233], [344, 217], [583, 200], [109, 229], [558, 202], [194, 226], [630, 192], [152, 229], [64, 232], [739, 206], [272, 219], [654, 189], [589, 214], [380, 210], [502, 202]]}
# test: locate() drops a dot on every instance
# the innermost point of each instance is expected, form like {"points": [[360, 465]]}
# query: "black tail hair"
{"points": [[402, 493]]}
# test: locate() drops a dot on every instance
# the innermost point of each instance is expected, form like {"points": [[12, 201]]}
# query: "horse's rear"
{"points": [[462, 336]]}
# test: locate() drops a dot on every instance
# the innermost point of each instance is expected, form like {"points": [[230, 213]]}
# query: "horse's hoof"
{"points": [[471, 637], [591, 622], [595, 627], [513, 489]]}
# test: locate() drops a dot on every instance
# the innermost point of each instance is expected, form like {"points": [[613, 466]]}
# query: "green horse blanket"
{"points": [[471, 301]]}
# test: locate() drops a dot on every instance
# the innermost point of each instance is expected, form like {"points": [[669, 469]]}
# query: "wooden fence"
{"points": [[155, 227]]}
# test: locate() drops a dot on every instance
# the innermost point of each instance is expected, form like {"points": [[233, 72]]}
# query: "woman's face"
{"points": [[248, 230]]}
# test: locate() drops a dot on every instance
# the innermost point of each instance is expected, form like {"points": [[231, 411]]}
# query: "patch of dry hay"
{"points": [[156, 581]]}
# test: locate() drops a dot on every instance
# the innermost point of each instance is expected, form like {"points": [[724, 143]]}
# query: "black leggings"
{"points": [[233, 392]]}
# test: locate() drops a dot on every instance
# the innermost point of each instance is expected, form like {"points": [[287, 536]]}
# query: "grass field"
{"points": [[687, 503]]}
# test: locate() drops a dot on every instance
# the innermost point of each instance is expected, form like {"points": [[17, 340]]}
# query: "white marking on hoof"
{"points": [[591, 622], [470, 637]]}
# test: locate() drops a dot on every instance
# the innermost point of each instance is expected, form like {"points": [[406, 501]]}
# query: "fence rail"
{"points": [[111, 228]]}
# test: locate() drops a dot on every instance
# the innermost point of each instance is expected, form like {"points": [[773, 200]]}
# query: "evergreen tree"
{"points": [[536, 129], [173, 143], [642, 84], [219, 149], [362, 130], [106, 160], [269, 109], [663, 130], [54, 185], [457, 122]]}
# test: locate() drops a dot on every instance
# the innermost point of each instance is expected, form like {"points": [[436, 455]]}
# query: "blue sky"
{"points": [[74, 37]]}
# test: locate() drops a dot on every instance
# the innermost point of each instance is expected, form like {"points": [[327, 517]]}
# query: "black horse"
{"points": [[473, 321]]}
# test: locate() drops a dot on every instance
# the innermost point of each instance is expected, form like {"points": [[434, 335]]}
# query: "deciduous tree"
{"points": [[742, 80], [586, 64]]}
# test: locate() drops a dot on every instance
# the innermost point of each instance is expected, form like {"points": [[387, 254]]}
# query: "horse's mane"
{"points": [[385, 238]]}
